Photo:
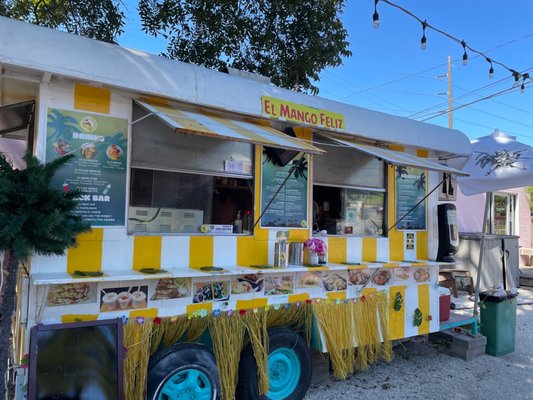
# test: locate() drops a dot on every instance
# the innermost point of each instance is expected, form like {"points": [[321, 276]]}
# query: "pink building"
{"points": [[509, 215]]}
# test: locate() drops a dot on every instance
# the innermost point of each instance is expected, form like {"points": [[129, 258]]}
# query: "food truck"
{"points": [[197, 185]]}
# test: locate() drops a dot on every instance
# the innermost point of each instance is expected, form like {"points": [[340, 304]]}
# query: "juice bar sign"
{"points": [[99, 144], [294, 112]]}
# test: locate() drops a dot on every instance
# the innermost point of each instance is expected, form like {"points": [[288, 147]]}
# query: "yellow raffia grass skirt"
{"points": [[355, 334]]}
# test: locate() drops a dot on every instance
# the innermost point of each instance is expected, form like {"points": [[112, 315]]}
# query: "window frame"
{"points": [[190, 171], [511, 213], [385, 190]]}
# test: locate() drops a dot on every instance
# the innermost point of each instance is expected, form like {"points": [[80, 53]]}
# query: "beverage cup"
{"points": [[124, 299], [137, 299], [110, 300]]}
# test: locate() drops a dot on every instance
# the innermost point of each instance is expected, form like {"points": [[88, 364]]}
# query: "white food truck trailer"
{"points": [[196, 182]]}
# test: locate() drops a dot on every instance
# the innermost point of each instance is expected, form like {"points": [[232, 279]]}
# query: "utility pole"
{"points": [[450, 92]]}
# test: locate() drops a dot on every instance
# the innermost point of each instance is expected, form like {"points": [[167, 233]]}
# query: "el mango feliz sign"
{"points": [[294, 112]]}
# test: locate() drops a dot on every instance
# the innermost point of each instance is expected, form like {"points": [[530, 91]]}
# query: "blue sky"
{"points": [[389, 72]]}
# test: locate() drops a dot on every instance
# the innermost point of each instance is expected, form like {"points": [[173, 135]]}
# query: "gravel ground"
{"points": [[420, 371]]}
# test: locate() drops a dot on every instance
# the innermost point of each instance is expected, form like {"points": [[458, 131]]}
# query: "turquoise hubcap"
{"points": [[189, 384], [284, 373]]}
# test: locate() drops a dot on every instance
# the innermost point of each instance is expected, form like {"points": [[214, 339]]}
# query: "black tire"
{"points": [[278, 338], [175, 360]]}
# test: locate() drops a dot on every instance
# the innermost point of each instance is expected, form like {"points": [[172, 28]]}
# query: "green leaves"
{"points": [[398, 302], [417, 317], [97, 19], [33, 216], [290, 41]]}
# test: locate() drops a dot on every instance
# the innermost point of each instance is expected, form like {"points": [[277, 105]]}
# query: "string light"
{"points": [[491, 69], [523, 85], [516, 76], [375, 17], [465, 56], [423, 40]]}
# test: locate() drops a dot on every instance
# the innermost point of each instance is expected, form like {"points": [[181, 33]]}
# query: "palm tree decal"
{"points": [[420, 183], [300, 168], [500, 159], [400, 172], [118, 138], [62, 126]]}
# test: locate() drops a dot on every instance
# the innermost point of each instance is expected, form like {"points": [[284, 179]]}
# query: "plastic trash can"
{"points": [[498, 322]]}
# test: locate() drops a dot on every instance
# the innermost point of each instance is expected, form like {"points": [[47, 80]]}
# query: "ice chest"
{"points": [[444, 304]]}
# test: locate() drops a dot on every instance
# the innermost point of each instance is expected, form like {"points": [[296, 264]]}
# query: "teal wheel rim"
{"points": [[189, 384], [284, 373]]}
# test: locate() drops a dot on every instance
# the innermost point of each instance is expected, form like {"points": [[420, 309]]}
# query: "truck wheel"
{"points": [[289, 368], [183, 371]]}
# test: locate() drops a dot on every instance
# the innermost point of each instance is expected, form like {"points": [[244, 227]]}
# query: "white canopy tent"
{"points": [[497, 162]]}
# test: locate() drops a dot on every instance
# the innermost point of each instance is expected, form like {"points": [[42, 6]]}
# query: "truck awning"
{"points": [[398, 158], [196, 123]]}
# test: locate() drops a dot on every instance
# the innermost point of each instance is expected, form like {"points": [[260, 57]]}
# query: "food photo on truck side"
{"points": [[196, 189]]}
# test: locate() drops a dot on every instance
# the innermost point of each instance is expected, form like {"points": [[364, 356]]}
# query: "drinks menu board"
{"points": [[99, 144], [410, 189], [289, 207]]}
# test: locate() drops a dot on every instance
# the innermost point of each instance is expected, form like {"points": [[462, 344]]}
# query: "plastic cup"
{"points": [[137, 299], [124, 299], [110, 300]]}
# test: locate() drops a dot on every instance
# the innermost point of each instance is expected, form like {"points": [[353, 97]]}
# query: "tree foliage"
{"points": [[290, 41], [97, 19], [35, 218]]}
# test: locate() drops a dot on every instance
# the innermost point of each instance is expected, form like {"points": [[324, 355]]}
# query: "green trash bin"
{"points": [[498, 322]]}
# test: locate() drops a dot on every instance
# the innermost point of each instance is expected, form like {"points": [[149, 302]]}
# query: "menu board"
{"points": [[289, 207], [99, 144], [410, 189], [76, 361]]}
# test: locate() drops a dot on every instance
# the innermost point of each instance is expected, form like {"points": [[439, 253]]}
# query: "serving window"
{"points": [[187, 183], [348, 193]]}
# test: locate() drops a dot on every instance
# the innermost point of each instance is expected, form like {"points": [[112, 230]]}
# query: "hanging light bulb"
{"points": [[516, 76], [375, 17], [423, 40], [491, 69], [465, 56], [523, 86]]}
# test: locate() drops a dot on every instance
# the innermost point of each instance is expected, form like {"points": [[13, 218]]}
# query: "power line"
{"points": [[491, 128], [421, 113], [500, 93]]}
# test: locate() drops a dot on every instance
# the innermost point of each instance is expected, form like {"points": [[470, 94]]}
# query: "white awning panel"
{"points": [[399, 158], [191, 122]]}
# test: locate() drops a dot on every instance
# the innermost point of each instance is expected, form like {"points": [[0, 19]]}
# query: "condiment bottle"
{"points": [[248, 222], [237, 227]]}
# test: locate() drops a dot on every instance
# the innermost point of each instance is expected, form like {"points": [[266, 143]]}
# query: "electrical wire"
{"points": [[500, 93], [423, 113], [425, 25]]}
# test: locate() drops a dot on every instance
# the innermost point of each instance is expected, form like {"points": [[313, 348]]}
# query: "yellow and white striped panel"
{"points": [[357, 249]]}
